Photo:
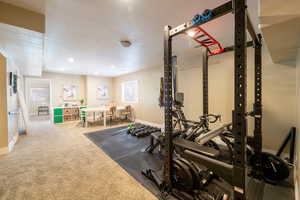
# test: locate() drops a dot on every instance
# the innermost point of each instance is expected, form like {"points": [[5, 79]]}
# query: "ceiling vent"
{"points": [[125, 43]]}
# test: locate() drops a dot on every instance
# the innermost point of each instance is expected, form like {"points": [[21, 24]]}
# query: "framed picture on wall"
{"points": [[130, 91], [102, 92], [69, 93]]}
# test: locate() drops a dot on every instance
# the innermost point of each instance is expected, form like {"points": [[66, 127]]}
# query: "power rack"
{"points": [[235, 173]]}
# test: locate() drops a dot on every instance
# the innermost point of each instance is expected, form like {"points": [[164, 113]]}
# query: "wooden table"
{"points": [[100, 109]]}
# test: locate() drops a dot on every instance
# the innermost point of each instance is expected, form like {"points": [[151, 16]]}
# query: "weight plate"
{"points": [[274, 168], [194, 171], [182, 177]]}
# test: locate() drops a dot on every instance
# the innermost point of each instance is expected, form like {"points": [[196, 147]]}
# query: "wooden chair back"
{"points": [[128, 108], [112, 111]]}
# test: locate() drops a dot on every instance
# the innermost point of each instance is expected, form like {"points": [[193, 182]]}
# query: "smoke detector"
{"points": [[125, 43]]}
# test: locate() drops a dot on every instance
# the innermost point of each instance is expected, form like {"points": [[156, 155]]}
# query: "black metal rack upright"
{"points": [[205, 82], [242, 23], [257, 106], [168, 106]]}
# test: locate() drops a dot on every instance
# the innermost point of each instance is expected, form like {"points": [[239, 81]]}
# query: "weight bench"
{"points": [[194, 147], [204, 138], [157, 140]]}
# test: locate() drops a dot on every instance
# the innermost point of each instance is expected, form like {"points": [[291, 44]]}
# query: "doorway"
{"points": [[38, 97]]}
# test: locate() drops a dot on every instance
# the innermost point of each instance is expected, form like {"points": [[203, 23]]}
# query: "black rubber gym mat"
{"points": [[133, 164], [128, 152], [99, 136]]}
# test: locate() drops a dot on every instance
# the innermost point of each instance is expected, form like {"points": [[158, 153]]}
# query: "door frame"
{"points": [[27, 90]]}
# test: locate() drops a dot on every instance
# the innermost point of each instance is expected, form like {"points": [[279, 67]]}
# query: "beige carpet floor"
{"points": [[57, 162]]}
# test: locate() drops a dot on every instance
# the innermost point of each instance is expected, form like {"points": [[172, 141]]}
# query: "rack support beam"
{"points": [[205, 82], [168, 107], [174, 73], [240, 100], [257, 107]]}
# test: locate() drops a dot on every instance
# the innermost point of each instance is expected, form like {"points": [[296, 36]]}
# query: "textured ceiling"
{"points": [[280, 25], [24, 47], [90, 31]]}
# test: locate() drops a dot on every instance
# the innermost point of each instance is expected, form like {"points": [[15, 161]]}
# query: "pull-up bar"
{"points": [[199, 35], [216, 13]]}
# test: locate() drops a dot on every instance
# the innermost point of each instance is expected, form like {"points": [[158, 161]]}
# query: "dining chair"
{"points": [[94, 117], [126, 113], [99, 116], [111, 114], [90, 118]]}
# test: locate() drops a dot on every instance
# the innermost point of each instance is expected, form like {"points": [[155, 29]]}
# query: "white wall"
{"points": [[43, 85], [92, 82], [24, 46], [57, 83], [279, 96], [15, 120], [148, 93], [3, 106], [12, 102], [86, 87]]}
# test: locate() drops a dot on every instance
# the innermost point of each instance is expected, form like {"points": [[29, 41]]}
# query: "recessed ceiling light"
{"points": [[191, 33], [113, 67], [71, 60]]}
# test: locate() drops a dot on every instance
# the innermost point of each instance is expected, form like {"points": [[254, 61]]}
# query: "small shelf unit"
{"points": [[65, 114]]}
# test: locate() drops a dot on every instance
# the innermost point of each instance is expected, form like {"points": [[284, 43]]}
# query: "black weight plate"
{"points": [[274, 168], [182, 177], [194, 171]]}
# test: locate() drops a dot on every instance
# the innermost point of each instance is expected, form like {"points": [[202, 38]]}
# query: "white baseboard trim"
{"points": [[3, 151], [12, 143], [149, 123]]}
